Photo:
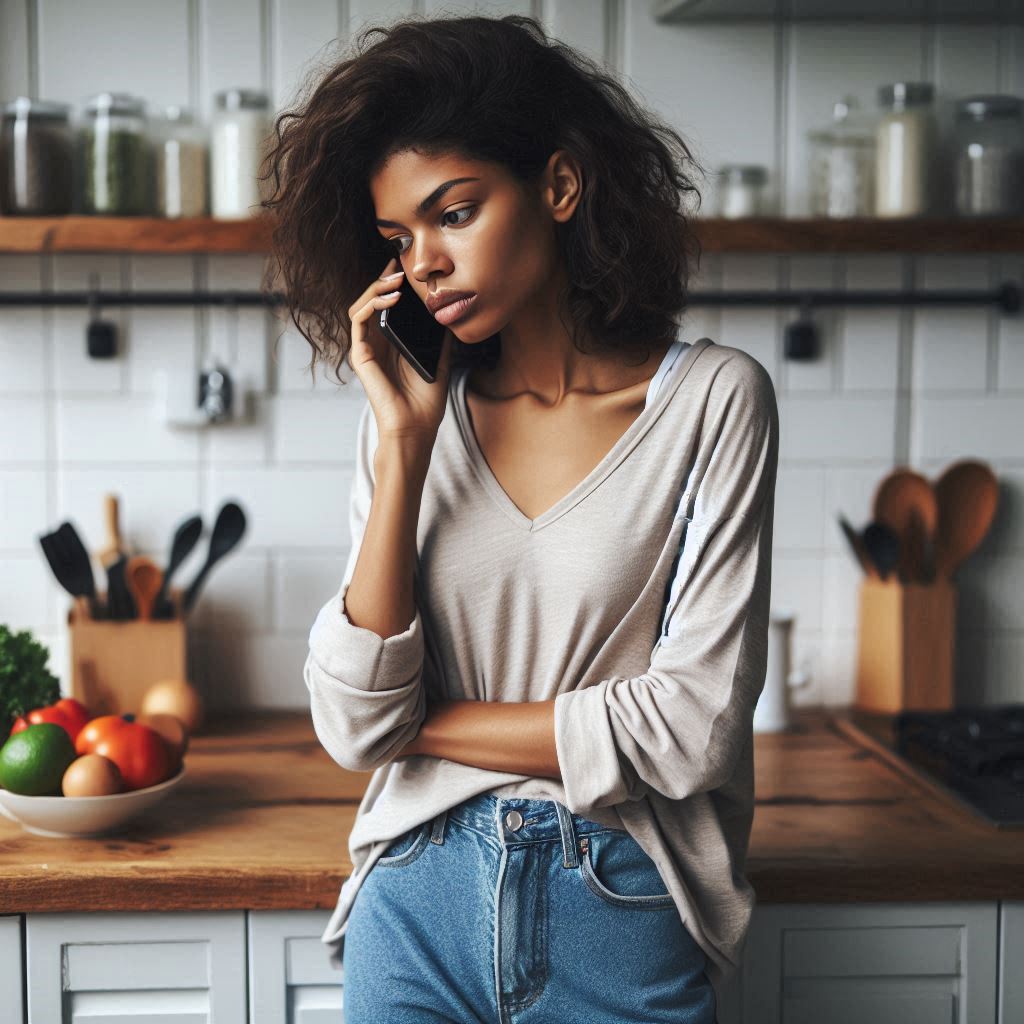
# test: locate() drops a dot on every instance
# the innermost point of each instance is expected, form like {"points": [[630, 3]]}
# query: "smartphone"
{"points": [[412, 329]]}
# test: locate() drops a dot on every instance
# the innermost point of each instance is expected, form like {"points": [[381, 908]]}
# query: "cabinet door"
{"points": [[136, 968], [1011, 962], [290, 979], [887, 963], [11, 966]]}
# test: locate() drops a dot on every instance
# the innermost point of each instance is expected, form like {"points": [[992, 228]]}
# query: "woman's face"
{"points": [[484, 234]]}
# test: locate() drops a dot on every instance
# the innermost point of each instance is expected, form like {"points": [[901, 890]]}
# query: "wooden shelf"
{"points": [[675, 12], [862, 234], [751, 235], [75, 233]]}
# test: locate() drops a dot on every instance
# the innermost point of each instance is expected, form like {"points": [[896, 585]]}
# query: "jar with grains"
{"points": [[239, 140], [988, 166], [741, 190], [180, 153], [842, 165], [905, 149], [115, 159], [37, 145]]}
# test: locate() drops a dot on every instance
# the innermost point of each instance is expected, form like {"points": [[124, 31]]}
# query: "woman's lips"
{"points": [[454, 310]]}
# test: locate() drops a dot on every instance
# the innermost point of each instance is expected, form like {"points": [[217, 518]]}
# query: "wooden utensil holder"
{"points": [[114, 661], [906, 644]]}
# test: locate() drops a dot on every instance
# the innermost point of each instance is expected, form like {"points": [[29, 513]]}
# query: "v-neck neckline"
{"points": [[622, 447]]}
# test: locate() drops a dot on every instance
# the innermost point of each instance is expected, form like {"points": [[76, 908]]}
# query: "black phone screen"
{"points": [[412, 329]]}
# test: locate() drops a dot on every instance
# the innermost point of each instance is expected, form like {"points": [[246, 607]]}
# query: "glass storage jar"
{"points": [[741, 190], [37, 145], [842, 165], [115, 159], [988, 167], [905, 149], [180, 155], [239, 134]]}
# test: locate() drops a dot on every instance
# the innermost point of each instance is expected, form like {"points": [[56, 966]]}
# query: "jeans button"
{"points": [[514, 820]]}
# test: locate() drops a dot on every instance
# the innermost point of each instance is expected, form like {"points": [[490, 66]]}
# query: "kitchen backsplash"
{"points": [[917, 386]]}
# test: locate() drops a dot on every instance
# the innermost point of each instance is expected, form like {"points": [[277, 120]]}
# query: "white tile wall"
{"points": [[891, 385]]}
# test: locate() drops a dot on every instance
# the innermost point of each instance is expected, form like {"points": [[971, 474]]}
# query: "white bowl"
{"points": [[69, 817]]}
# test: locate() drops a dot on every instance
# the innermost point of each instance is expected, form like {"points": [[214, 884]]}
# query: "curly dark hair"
{"points": [[489, 89]]}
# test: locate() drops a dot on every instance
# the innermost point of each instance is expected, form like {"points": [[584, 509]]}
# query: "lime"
{"points": [[33, 761]]}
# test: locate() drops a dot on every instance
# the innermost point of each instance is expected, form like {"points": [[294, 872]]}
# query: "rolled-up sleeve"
{"points": [[680, 727], [366, 692]]}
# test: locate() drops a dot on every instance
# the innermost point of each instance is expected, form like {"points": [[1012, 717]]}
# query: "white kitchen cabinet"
{"points": [[1011, 962], [290, 980], [887, 963], [12, 968], [174, 967]]}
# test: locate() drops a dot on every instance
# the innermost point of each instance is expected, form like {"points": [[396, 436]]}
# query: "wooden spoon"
{"points": [[905, 502], [144, 578], [968, 493]]}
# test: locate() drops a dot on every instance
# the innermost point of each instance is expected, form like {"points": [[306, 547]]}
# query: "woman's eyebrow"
{"points": [[429, 202]]}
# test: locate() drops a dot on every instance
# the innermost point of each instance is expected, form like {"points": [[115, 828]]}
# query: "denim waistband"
{"points": [[512, 820]]}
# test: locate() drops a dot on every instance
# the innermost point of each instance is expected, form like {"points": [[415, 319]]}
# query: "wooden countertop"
{"points": [[262, 820]]}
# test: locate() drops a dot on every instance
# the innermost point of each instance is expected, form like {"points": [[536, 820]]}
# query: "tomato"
{"points": [[95, 730], [139, 751], [68, 713]]}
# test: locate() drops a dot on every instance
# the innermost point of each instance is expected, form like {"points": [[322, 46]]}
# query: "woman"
{"points": [[551, 631]]}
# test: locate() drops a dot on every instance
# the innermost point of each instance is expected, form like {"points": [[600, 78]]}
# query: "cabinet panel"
{"points": [[171, 968], [1011, 962], [904, 963], [290, 978], [12, 964]]}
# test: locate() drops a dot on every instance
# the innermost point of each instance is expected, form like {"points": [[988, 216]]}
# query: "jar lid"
{"points": [[900, 95], [847, 128], [242, 99], [23, 106], [980, 107], [180, 115], [115, 103], [743, 174]]}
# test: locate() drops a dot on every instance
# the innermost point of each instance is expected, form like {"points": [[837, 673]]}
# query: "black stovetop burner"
{"points": [[976, 753]]}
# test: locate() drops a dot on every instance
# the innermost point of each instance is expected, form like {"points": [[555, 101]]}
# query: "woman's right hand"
{"points": [[404, 404]]}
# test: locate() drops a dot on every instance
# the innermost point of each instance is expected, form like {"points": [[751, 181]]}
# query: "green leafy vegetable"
{"points": [[25, 681]]}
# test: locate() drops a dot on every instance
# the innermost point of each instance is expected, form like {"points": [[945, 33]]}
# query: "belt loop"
{"points": [[568, 836], [437, 832]]}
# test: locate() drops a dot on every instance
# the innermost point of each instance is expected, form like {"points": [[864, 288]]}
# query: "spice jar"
{"points": [[904, 150], [842, 165], [115, 155], [989, 156], [239, 136], [741, 190], [37, 145], [179, 153]]}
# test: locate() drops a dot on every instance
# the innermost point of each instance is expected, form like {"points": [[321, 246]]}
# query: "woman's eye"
{"points": [[395, 243]]}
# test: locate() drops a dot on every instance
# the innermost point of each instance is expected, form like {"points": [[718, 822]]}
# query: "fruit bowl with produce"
{"points": [[70, 774]]}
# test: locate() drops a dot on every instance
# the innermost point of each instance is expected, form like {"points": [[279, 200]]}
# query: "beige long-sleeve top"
{"points": [[639, 602]]}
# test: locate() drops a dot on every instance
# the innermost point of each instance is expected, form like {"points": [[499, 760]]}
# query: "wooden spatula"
{"points": [[144, 578]]}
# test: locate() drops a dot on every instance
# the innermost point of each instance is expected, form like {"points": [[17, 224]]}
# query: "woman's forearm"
{"points": [[496, 735]]}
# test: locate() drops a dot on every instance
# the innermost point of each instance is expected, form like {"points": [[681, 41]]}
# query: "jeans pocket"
{"points": [[406, 848], [616, 868]]}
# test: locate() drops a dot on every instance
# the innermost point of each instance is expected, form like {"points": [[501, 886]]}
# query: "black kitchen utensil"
{"points": [[184, 541], [119, 598], [70, 563], [227, 532], [856, 542], [883, 546]]}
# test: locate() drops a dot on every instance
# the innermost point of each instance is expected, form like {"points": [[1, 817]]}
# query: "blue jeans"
{"points": [[515, 911]]}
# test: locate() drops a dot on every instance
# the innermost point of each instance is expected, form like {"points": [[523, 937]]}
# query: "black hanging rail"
{"points": [[1007, 297]]}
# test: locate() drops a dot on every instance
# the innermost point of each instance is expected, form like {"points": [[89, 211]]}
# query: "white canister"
{"points": [[775, 705], [741, 190], [239, 135], [179, 148], [905, 149]]}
